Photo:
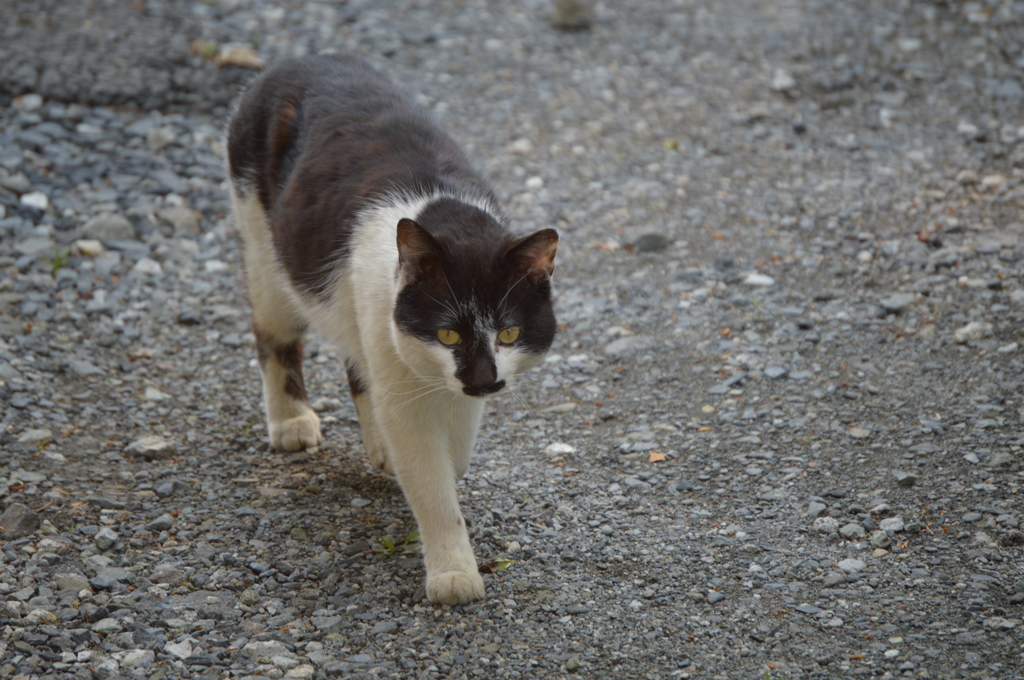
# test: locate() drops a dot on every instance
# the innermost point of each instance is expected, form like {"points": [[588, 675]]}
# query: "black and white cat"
{"points": [[362, 220]]}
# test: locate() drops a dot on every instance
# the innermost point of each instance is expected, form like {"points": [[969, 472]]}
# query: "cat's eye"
{"points": [[508, 336], [448, 336]]}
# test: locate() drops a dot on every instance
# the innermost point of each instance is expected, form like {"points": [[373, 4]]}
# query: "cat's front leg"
{"points": [[376, 449], [420, 448], [291, 423]]}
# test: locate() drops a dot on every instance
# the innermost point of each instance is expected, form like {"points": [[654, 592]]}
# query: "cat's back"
{"points": [[319, 139]]}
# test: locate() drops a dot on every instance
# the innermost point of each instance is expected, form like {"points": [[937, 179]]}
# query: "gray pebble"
{"points": [[105, 538]]}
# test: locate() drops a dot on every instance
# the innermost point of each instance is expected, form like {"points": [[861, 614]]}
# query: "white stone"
{"points": [[107, 626], [908, 45], [147, 266], [153, 446], [894, 524], [161, 137], [782, 81], [29, 102], [851, 565], [153, 394], [36, 436], [138, 658], [182, 649], [88, 247], [972, 332], [305, 670], [520, 146], [967, 129], [216, 266], [534, 183], [758, 280], [36, 199], [559, 449], [264, 649]]}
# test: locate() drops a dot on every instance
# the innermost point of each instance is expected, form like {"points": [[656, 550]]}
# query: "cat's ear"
{"points": [[534, 255], [417, 249]]}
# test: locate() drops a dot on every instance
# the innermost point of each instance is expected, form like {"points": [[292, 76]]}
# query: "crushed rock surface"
{"points": [[779, 435]]}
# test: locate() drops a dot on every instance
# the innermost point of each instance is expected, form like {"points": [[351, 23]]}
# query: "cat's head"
{"points": [[474, 306]]}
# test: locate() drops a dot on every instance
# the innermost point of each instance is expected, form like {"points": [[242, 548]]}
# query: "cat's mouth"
{"points": [[483, 390]]}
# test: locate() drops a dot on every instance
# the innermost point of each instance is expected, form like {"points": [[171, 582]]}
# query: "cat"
{"points": [[362, 220]]}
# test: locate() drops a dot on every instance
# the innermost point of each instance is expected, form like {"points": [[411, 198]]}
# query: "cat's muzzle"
{"points": [[483, 390]]}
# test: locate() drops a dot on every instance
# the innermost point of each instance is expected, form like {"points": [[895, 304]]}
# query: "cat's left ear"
{"points": [[534, 255], [417, 249]]}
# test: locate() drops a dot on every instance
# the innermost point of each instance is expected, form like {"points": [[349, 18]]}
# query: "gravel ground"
{"points": [[779, 435]]}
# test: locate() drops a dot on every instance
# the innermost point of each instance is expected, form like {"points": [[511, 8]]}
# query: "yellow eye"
{"points": [[508, 336], [448, 336]]}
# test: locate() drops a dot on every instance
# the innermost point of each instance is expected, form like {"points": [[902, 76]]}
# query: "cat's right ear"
{"points": [[418, 251]]}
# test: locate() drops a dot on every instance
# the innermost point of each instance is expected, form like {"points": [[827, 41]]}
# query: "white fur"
{"points": [[416, 421]]}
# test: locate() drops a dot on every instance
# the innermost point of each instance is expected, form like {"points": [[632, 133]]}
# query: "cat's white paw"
{"points": [[376, 450], [295, 434], [455, 587]]}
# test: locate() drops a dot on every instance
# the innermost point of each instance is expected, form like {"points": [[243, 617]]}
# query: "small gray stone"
{"points": [[265, 649], [105, 538], [851, 565], [153, 447], [880, 539], [138, 658], [572, 15], [826, 525], [900, 302], [775, 372], [166, 573], [852, 530], [905, 478], [83, 368], [184, 220], [161, 523], [35, 246], [75, 582], [109, 227], [249, 597], [834, 578], [160, 138], [814, 509], [20, 518], [714, 596], [651, 243], [384, 627], [34, 437], [893, 524], [1000, 459], [971, 517], [628, 345], [107, 626]]}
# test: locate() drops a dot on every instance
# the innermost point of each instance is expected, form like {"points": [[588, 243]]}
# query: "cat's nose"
{"points": [[483, 390]]}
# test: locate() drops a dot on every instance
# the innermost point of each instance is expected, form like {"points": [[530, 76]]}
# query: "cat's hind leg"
{"points": [[278, 328], [372, 441], [291, 422]]}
